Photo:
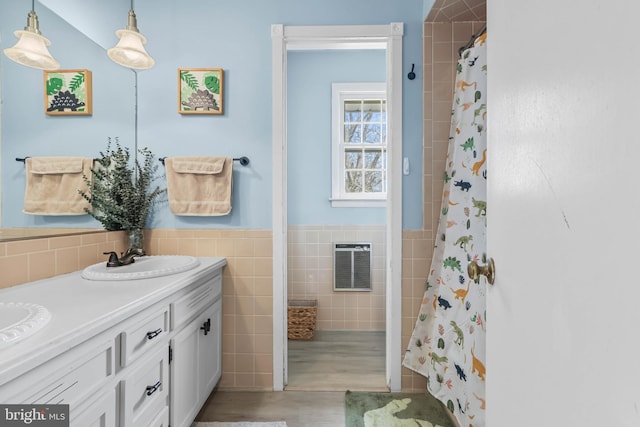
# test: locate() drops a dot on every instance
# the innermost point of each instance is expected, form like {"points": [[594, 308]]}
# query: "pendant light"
{"points": [[31, 48], [129, 52]]}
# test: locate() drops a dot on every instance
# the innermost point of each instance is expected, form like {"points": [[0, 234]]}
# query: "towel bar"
{"points": [[24, 159], [244, 160]]}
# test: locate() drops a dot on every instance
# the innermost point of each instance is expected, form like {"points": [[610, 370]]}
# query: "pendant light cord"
{"points": [[135, 123]]}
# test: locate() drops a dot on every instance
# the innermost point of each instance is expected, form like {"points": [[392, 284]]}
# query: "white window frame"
{"points": [[340, 92]]}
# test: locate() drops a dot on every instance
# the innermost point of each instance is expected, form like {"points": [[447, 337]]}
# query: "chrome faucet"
{"points": [[127, 258]]}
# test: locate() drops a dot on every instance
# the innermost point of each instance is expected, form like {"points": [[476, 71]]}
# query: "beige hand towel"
{"points": [[199, 186], [53, 184]]}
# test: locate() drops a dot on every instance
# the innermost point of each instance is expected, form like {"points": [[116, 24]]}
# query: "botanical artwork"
{"points": [[67, 92], [200, 90]]}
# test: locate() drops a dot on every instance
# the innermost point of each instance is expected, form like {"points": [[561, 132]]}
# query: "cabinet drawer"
{"points": [[82, 376], [141, 337], [198, 299], [144, 391]]}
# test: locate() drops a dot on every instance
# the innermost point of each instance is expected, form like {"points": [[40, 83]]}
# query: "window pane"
{"points": [[383, 136], [373, 182], [352, 117], [352, 111], [353, 182], [372, 106], [353, 159], [353, 134], [372, 133], [375, 117], [373, 159]]}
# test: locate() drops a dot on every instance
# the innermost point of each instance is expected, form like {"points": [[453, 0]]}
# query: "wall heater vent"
{"points": [[352, 267]]}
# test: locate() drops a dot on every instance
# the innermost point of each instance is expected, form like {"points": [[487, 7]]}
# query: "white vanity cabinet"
{"points": [[151, 361], [195, 350]]}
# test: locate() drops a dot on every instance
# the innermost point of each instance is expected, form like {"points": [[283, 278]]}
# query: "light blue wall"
{"points": [[232, 34], [309, 79], [27, 131]]}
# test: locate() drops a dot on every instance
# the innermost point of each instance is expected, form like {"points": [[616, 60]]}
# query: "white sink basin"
{"points": [[143, 268], [18, 320]]}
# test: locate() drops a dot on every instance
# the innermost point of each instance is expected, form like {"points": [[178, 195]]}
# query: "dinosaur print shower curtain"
{"points": [[448, 342]]}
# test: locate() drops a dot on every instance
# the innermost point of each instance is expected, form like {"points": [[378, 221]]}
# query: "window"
{"points": [[359, 144]]}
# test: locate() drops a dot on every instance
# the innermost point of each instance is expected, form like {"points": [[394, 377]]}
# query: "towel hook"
{"points": [[411, 74]]}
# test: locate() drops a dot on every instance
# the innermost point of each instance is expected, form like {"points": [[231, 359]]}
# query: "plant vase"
{"points": [[136, 238]]}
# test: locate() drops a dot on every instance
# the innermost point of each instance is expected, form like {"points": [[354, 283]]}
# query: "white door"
{"points": [[563, 324]]}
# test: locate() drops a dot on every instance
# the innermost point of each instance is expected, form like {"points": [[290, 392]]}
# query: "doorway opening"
{"points": [[380, 37]]}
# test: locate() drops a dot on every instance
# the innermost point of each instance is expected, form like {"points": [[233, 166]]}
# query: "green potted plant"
{"points": [[121, 191]]}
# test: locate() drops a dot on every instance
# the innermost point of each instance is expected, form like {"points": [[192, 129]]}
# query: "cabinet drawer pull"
{"points": [[151, 335], [153, 388]]}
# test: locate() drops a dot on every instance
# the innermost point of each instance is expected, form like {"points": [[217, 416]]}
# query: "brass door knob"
{"points": [[489, 271]]}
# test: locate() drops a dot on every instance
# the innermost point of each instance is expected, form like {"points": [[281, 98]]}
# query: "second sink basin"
{"points": [[143, 268], [18, 320]]}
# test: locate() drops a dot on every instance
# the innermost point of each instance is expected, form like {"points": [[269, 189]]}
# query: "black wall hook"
{"points": [[411, 74]]}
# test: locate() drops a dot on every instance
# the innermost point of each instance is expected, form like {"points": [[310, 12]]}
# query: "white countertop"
{"points": [[81, 309]]}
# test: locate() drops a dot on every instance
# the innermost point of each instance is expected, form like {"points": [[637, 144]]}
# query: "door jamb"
{"points": [[388, 37]]}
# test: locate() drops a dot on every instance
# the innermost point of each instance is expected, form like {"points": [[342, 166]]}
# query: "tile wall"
{"points": [[32, 259], [441, 41], [310, 275]]}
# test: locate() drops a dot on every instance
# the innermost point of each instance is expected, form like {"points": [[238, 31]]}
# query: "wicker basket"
{"points": [[301, 319]]}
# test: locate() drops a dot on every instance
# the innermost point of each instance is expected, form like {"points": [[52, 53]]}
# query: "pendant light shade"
{"points": [[31, 48], [130, 52]]}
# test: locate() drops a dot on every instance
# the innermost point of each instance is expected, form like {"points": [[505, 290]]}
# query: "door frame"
{"points": [[287, 38]]}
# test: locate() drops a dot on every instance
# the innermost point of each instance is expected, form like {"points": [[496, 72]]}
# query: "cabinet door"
{"points": [[100, 414], [209, 351], [162, 420], [196, 365], [184, 375]]}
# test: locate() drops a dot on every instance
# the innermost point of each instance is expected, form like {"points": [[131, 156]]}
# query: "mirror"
{"points": [[80, 32]]}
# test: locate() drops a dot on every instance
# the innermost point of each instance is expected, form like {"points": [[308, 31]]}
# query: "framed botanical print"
{"points": [[67, 92], [200, 90]]}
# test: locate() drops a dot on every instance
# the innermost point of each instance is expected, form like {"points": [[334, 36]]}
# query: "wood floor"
{"points": [[320, 371], [297, 408], [338, 361]]}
